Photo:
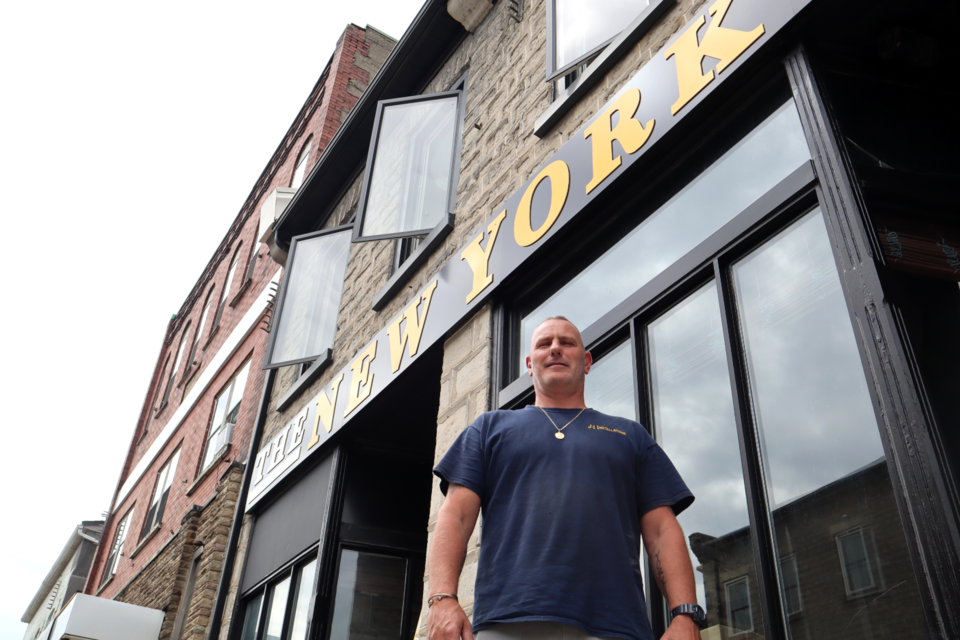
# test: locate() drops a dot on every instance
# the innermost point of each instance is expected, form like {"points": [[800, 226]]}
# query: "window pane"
{"points": [[583, 26], [758, 162], [308, 316], [301, 169], [298, 627], [694, 423], [251, 618], [236, 393], [277, 608], [790, 585], [610, 384], [369, 599], [410, 183], [823, 462]]}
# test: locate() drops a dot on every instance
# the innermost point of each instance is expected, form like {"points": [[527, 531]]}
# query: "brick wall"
{"points": [[149, 571]]}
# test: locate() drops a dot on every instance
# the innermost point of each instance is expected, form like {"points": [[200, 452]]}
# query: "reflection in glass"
{"points": [[824, 466], [298, 626], [583, 26], [277, 608], [369, 599], [410, 183], [694, 422], [251, 618], [609, 387], [308, 315], [751, 168]]}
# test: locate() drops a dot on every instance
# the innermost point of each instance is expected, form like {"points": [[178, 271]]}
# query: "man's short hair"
{"points": [[565, 319]]}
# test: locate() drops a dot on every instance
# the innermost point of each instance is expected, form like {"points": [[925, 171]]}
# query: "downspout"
{"points": [[230, 554]]}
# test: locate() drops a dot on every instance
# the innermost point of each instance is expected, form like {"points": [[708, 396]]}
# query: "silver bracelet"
{"points": [[439, 597]]}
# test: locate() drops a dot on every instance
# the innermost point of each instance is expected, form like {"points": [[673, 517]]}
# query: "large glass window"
{"points": [[694, 422], [176, 366], [226, 407], [411, 167], [749, 375], [284, 616], [581, 28], [369, 599], [161, 493], [754, 165], [309, 300], [116, 551]]}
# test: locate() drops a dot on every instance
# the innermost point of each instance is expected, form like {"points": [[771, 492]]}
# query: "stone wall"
{"points": [[160, 585]]}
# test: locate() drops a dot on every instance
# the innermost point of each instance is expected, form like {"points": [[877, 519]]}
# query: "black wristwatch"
{"points": [[693, 610]]}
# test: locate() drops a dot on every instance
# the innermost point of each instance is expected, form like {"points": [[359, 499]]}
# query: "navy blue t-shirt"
{"points": [[561, 518]]}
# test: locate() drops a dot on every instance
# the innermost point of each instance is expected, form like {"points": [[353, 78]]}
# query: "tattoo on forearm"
{"points": [[660, 576]]}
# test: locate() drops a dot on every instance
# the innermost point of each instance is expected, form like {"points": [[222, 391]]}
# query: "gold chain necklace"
{"points": [[559, 434]]}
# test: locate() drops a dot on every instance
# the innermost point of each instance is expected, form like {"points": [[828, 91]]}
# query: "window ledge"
{"points": [[411, 264], [160, 409], [514, 391], [147, 538], [213, 332], [603, 63], [105, 585], [224, 450], [305, 380], [242, 290]]}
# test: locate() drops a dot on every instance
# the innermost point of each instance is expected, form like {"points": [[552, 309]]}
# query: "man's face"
{"points": [[557, 360]]}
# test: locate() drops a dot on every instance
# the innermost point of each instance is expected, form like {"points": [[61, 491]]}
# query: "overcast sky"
{"points": [[130, 136]]}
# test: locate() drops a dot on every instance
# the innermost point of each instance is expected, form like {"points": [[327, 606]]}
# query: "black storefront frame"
{"points": [[919, 483]]}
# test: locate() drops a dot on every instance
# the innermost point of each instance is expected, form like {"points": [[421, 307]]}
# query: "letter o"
{"points": [[559, 174]]}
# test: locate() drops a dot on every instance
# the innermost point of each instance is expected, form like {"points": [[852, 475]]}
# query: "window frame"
{"points": [[861, 533], [227, 285], [229, 388], [302, 158], [288, 273], [455, 163], [291, 571], [633, 31], [116, 549], [745, 579], [198, 334], [161, 494]]}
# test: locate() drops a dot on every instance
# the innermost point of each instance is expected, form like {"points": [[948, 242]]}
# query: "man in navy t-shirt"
{"points": [[567, 493]]}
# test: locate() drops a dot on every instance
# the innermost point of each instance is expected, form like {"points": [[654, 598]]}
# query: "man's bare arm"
{"points": [[455, 522], [667, 549]]}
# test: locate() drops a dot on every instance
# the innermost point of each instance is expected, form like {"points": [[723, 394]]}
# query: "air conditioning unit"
{"points": [[225, 436]]}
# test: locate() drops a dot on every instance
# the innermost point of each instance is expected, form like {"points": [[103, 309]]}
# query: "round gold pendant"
{"points": [[559, 435]]}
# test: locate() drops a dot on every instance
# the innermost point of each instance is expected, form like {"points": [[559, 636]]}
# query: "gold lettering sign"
{"points": [[631, 134], [325, 408], [559, 174], [718, 42], [479, 259], [361, 380], [412, 330]]}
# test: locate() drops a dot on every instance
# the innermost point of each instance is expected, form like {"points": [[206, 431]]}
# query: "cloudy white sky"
{"points": [[130, 135]]}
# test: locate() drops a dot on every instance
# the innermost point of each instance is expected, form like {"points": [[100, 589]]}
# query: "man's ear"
{"points": [[529, 367], [587, 361]]}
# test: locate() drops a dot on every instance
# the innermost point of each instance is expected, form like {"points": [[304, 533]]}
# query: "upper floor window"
{"points": [[227, 285], [301, 169], [226, 408], [410, 185], [309, 300], [117, 549], [199, 332], [176, 365], [161, 493], [578, 29]]}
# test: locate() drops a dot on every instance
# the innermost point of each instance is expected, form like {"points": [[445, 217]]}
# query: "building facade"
{"points": [[743, 206], [65, 578], [170, 518]]}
